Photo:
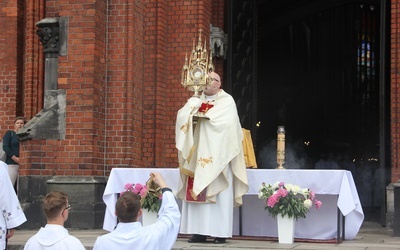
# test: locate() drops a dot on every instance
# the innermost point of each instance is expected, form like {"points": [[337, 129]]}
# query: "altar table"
{"points": [[335, 188]]}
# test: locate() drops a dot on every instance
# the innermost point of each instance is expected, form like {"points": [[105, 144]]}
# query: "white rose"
{"points": [[296, 189], [307, 203], [304, 191], [289, 187]]}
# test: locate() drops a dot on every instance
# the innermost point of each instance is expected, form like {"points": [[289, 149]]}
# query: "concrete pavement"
{"points": [[370, 237]]}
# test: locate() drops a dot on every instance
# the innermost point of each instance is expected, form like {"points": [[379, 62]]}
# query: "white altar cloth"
{"points": [[335, 188]]}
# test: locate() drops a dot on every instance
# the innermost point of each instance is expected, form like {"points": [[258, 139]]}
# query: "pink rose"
{"points": [[318, 204], [144, 191], [282, 192], [128, 186], [138, 188], [272, 200]]}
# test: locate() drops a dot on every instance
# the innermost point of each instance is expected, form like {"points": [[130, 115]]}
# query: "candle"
{"points": [[280, 147]]}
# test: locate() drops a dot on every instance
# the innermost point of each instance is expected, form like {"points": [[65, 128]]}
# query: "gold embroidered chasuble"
{"points": [[215, 144]]}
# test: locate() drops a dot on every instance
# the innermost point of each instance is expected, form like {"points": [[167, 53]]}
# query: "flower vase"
{"points": [[285, 229], [148, 217]]}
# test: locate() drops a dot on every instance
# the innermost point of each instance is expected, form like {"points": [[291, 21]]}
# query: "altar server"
{"points": [[54, 236], [130, 234]]}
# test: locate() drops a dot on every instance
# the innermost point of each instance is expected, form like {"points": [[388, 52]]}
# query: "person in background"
{"points": [[54, 236], [130, 234], [12, 213], [347, 164], [213, 175], [11, 147]]}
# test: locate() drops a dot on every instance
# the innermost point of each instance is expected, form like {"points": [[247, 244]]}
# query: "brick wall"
{"points": [[10, 92], [121, 76], [82, 74], [33, 63], [395, 82], [124, 91], [155, 86]]}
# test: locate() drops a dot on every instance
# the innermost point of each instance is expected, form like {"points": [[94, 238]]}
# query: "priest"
{"points": [[12, 213], [212, 167]]}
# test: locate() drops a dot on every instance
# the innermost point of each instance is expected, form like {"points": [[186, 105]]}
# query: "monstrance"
{"points": [[195, 72]]}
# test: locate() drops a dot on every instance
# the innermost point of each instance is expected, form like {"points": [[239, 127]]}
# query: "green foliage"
{"points": [[151, 202], [150, 195], [292, 207]]}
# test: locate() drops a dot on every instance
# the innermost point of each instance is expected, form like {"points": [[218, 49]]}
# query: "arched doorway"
{"points": [[315, 67]]}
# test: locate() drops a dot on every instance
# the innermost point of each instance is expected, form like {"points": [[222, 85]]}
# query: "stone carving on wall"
{"points": [[218, 42], [49, 35]]}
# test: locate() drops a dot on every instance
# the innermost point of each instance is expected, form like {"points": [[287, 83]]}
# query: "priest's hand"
{"points": [[195, 102]]}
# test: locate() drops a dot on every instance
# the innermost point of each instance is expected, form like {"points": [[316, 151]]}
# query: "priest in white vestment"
{"points": [[12, 213], [211, 160]]}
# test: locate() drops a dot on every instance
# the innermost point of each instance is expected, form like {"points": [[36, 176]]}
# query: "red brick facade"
{"points": [[394, 90], [121, 76], [122, 79]]}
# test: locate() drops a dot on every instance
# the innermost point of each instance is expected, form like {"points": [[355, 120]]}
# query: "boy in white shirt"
{"points": [[54, 236], [130, 234]]}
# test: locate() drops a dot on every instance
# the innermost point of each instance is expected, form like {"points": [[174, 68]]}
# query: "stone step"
{"points": [[371, 235]]}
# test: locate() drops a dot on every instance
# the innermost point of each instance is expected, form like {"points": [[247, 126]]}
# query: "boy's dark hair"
{"points": [[54, 204], [127, 207]]}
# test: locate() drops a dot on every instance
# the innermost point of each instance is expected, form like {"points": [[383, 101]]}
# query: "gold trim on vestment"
{"points": [[191, 153], [185, 128], [194, 196], [204, 161], [186, 172]]}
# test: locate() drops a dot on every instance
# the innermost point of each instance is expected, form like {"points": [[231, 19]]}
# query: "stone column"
{"points": [[49, 123], [49, 36]]}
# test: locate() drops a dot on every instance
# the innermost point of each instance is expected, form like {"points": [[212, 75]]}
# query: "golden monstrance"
{"points": [[195, 72]]}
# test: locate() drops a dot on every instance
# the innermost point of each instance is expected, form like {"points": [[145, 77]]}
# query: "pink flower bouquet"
{"points": [[150, 199], [287, 199]]}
